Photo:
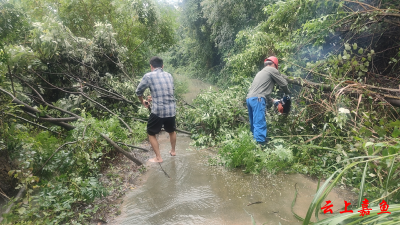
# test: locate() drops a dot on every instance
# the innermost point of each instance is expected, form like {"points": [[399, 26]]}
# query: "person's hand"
{"points": [[146, 104]]}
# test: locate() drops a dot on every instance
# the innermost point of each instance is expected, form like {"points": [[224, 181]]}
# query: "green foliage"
{"points": [[54, 48], [208, 32], [54, 204], [12, 22], [324, 190], [243, 151], [12, 26], [311, 139], [219, 119], [214, 115], [226, 18], [141, 26], [82, 57], [69, 180], [76, 45]]}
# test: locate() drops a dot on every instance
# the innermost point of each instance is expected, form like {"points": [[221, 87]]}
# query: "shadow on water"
{"points": [[197, 193]]}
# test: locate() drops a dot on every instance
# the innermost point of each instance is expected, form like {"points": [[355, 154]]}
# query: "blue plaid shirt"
{"points": [[161, 86]]}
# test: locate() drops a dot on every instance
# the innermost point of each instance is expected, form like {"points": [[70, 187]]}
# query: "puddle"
{"points": [[197, 193]]}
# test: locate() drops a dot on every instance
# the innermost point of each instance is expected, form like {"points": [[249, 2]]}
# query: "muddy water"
{"points": [[197, 193]]}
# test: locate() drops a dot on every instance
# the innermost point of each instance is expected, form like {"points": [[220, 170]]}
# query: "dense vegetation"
{"points": [[69, 69], [342, 58], [67, 80]]}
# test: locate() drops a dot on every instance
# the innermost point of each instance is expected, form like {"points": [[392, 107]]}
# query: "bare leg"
{"points": [[154, 145], [172, 139]]}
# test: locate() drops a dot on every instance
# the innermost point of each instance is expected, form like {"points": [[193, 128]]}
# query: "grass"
{"points": [[355, 218]]}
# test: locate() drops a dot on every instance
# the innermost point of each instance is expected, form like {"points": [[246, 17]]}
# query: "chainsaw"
{"points": [[283, 105]]}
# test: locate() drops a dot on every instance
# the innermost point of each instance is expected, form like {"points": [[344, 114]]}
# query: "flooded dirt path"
{"points": [[197, 193]]}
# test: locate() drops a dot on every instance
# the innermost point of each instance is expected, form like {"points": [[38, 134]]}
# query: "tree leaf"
{"points": [[21, 210], [396, 132]]}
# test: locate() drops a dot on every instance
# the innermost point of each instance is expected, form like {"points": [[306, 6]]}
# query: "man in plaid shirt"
{"points": [[161, 86]]}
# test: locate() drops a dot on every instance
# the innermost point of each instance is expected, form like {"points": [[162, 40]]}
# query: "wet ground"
{"points": [[197, 193], [190, 191]]}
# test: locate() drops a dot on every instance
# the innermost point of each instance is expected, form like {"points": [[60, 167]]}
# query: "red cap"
{"points": [[272, 59]]}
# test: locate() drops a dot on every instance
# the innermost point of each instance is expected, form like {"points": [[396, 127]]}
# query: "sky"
{"points": [[173, 2]]}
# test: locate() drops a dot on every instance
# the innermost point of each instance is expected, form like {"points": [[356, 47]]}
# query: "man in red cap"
{"points": [[258, 97]]}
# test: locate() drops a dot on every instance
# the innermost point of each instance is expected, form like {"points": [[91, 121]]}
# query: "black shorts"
{"points": [[155, 123]]}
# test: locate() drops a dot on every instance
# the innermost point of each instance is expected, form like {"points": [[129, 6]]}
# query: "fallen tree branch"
{"points": [[99, 88], [313, 138], [58, 149], [374, 87], [109, 92], [119, 149], [28, 121], [62, 110], [61, 124], [33, 111], [68, 143], [70, 92], [306, 83], [67, 119], [183, 131], [120, 119], [184, 102], [4, 194], [311, 71], [128, 145], [42, 99], [393, 100]]}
